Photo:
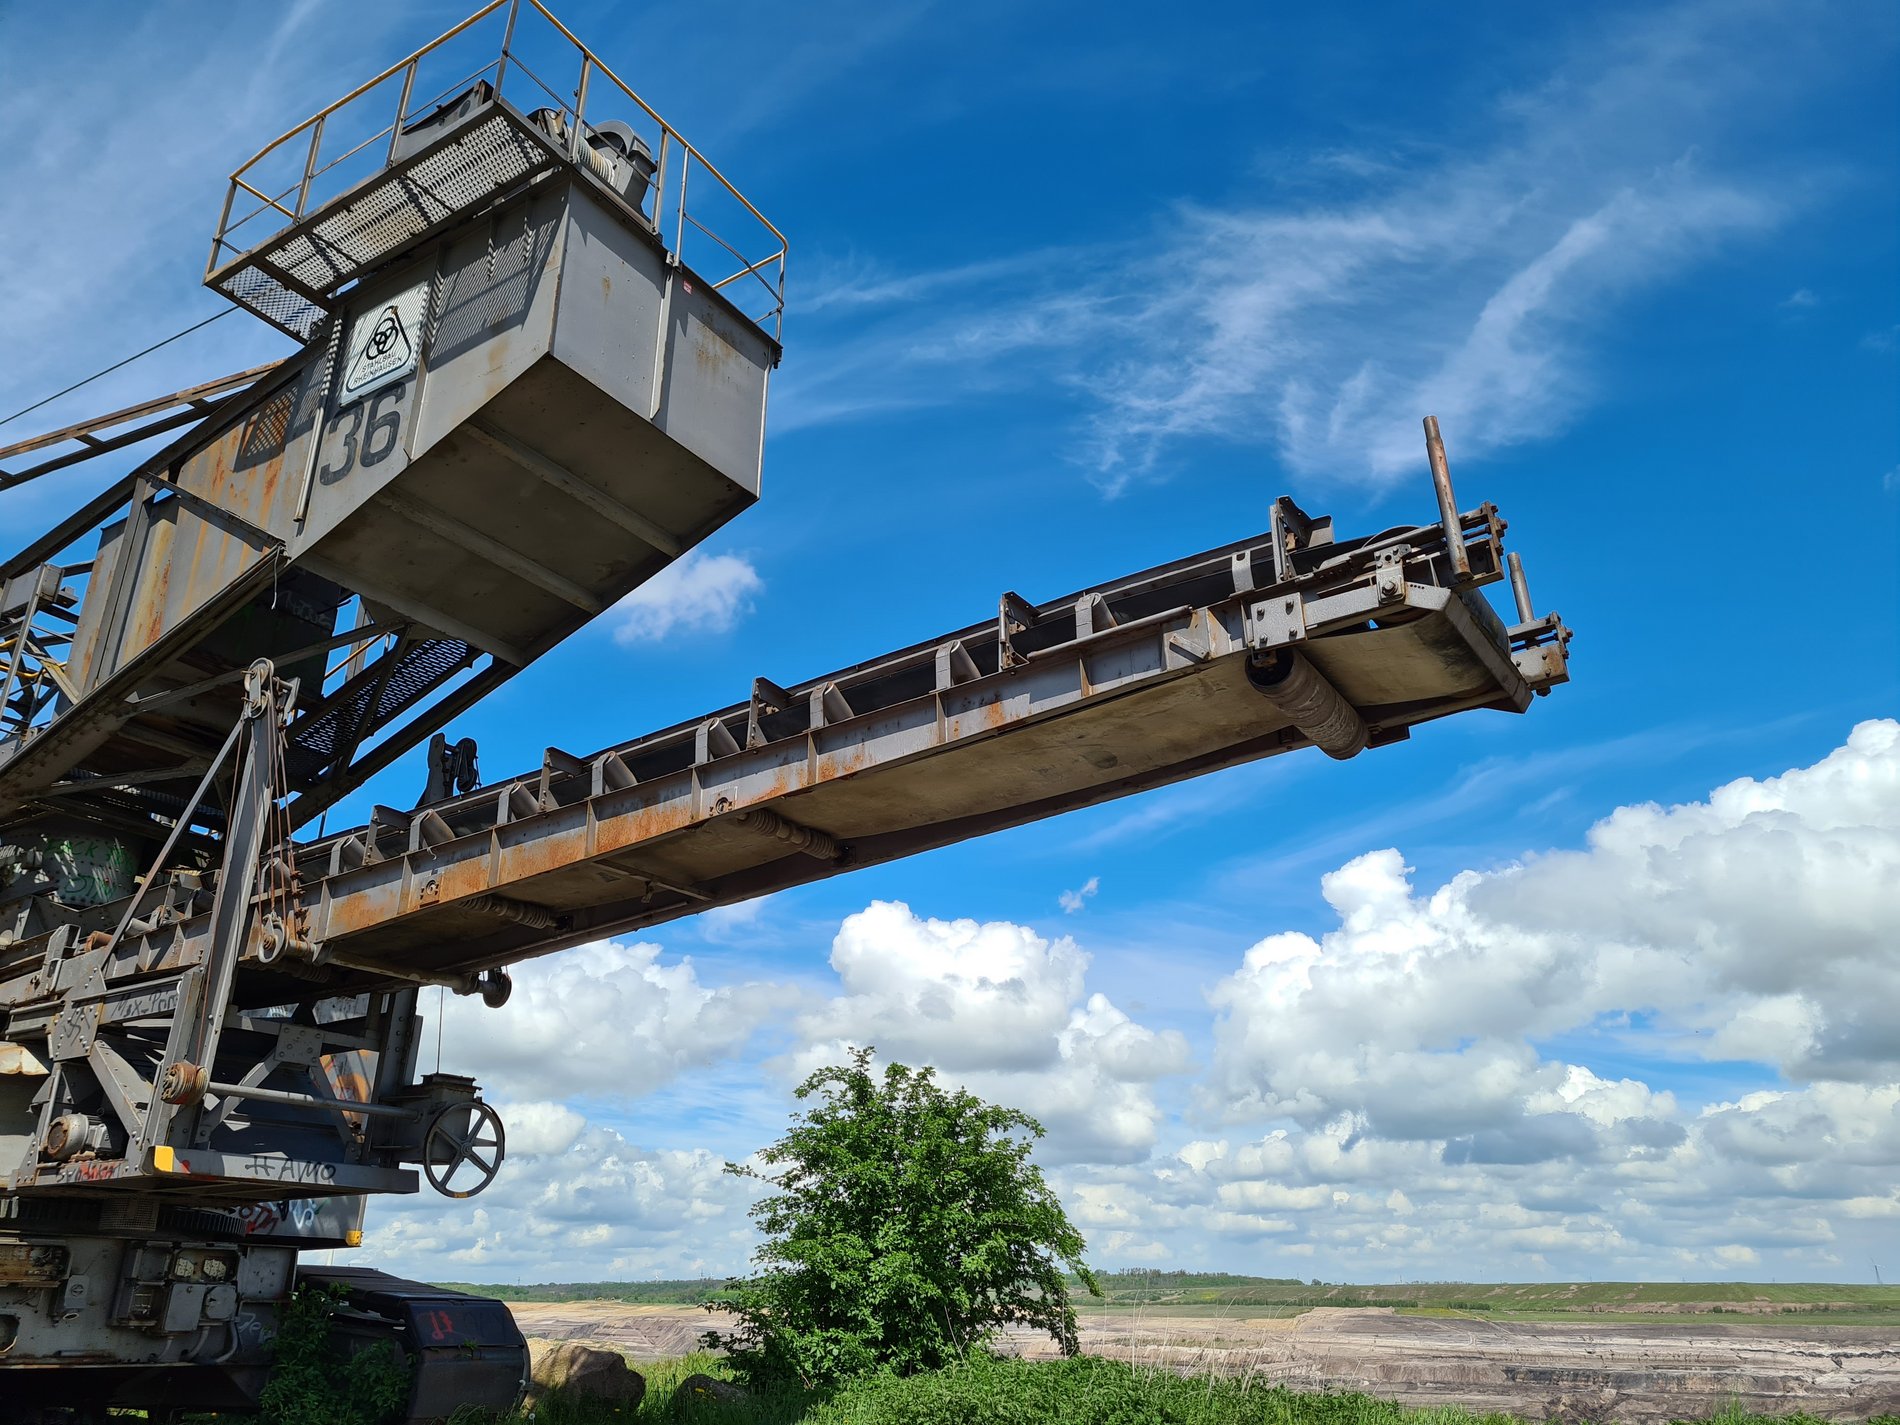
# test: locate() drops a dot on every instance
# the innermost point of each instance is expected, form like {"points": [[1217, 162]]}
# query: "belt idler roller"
{"points": [[1304, 698]]}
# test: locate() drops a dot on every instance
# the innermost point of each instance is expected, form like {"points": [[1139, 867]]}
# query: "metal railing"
{"points": [[324, 157]]}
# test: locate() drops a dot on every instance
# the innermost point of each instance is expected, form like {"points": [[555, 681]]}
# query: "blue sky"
{"points": [[1077, 289]]}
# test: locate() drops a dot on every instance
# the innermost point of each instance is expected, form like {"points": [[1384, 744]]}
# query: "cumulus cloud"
{"points": [[616, 1018], [1664, 1053], [697, 593], [1004, 1010], [1410, 1047], [1755, 926], [575, 1201]]}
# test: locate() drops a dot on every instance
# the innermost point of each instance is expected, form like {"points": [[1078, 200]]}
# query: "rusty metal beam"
{"points": [[196, 403]]}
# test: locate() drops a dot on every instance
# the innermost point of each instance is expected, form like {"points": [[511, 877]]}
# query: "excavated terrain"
{"points": [[1635, 1372]]}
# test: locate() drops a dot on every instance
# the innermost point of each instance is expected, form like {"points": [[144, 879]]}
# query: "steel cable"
{"points": [[47, 401]]}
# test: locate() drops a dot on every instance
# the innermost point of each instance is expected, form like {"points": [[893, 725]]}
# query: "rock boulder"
{"points": [[584, 1372]]}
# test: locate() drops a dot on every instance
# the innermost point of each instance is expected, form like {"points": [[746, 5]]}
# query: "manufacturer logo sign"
{"points": [[383, 345]]}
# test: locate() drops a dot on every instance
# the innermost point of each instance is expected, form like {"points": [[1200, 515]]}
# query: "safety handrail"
{"points": [[298, 198]]}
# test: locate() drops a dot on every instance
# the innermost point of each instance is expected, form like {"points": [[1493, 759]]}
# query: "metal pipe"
{"points": [[580, 110], [311, 1100], [679, 227], [402, 109], [802, 838], [265, 199], [1301, 694], [659, 180], [310, 165], [1138, 625], [367, 85], [507, 39], [504, 908], [178, 829], [1447, 502], [1520, 589], [224, 220], [653, 114]]}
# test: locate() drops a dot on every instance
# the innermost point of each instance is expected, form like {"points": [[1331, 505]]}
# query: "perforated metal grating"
{"points": [[313, 742], [259, 292], [364, 228]]}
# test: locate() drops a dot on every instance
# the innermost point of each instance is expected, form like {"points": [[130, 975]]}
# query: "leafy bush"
{"points": [[312, 1383], [1088, 1390], [906, 1225]]}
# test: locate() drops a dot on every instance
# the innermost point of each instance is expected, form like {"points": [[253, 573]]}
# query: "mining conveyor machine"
{"points": [[534, 331]]}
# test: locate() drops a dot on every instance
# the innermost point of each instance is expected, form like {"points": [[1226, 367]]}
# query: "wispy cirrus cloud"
{"points": [[1478, 281]]}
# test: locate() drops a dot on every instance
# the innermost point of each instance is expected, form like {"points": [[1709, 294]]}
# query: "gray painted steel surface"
{"points": [[581, 413]]}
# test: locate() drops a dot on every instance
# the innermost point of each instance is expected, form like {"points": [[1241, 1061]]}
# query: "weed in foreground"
{"points": [[1082, 1390], [1088, 1390]]}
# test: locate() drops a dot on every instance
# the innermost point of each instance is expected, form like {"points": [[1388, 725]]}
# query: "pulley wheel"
{"points": [[463, 1136]]}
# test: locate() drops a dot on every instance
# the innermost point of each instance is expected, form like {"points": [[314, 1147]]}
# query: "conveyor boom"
{"points": [[1243, 652]]}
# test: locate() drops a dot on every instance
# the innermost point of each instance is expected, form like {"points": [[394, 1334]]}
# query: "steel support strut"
{"points": [[206, 990]]}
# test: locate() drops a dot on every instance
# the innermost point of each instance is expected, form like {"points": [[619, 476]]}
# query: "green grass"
{"points": [[1085, 1390]]}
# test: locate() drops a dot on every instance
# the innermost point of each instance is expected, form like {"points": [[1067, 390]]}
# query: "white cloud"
{"points": [[1755, 926], [1004, 1011], [1406, 1051], [1075, 900], [1424, 1089], [956, 993], [1799, 299], [578, 1204], [1294, 312], [697, 593], [615, 1018]]}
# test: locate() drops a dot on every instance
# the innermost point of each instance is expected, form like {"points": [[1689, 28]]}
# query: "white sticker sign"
{"points": [[385, 341]]}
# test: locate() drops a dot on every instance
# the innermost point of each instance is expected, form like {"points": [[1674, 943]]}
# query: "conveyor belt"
{"points": [[1120, 688]]}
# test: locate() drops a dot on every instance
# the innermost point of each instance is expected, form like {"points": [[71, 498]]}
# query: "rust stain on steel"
{"points": [[644, 824], [712, 352], [539, 856], [541, 853], [462, 878], [147, 618], [786, 780], [842, 763], [362, 910]]}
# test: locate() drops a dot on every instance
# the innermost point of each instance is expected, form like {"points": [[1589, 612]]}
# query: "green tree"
{"points": [[906, 1224]]}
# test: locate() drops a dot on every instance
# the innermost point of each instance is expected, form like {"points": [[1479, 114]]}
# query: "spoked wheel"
{"points": [[463, 1135]]}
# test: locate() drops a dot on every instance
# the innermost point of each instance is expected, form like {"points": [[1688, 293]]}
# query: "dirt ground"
{"points": [[1635, 1372]]}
